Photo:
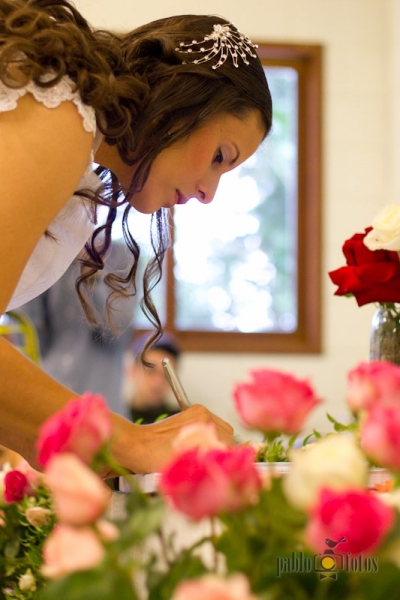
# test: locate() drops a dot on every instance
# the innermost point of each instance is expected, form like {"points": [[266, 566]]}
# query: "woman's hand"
{"points": [[147, 448]]}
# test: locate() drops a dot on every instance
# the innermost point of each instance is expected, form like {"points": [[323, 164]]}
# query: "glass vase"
{"points": [[385, 333]]}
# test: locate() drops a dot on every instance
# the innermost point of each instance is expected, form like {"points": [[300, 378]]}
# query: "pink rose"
{"points": [[376, 381], [16, 486], [355, 515], [380, 435], [197, 435], [202, 484], [82, 427], [80, 496], [274, 402], [211, 587], [69, 549]]}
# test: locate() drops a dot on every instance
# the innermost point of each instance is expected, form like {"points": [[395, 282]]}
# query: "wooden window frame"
{"points": [[307, 60]]}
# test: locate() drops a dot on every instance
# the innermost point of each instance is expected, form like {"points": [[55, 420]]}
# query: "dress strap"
{"points": [[51, 97]]}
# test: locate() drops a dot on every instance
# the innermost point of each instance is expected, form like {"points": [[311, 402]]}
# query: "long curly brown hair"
{"points": [[145, 99]]}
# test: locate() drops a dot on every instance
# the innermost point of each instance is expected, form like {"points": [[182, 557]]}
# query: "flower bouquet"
{"points": [[319, 531], [372, 274], [26, 519]]}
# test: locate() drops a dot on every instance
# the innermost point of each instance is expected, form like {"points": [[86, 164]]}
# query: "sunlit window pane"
{"points": [[235, 259]]}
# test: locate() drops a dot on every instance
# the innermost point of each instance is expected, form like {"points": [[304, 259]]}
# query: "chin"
{"points": [[142, 207]]}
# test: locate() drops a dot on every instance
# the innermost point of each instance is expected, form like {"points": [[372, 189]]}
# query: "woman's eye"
{"points": [[219, 157]]}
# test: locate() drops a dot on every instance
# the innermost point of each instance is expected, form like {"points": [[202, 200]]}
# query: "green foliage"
{"points": [[161, 584], [21, 544], [253, 538], [339, 427], [103, 583]]}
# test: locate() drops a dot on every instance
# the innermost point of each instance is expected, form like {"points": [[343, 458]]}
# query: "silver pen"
{"points": [[175, 384]]}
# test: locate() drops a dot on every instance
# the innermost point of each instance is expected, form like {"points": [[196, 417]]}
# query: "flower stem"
{"points": [[164, 548], [213, 536]]}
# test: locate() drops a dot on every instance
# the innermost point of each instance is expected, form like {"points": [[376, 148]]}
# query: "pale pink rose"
{"points": [[82, 427], [37, 516], [370, 382], [355, 515], [211, 587], [69, 549], [80, 496], [197, 435], [202, 484], [274, 401], [380, 435]]}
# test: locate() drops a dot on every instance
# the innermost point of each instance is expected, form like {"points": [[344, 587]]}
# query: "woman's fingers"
{"points": [[199, 413]]}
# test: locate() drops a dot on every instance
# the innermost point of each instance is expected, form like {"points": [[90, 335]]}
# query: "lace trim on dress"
{"points": [[50, 97]]}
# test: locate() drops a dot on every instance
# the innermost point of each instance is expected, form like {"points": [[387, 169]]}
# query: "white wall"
{"points": [[361, 40]]}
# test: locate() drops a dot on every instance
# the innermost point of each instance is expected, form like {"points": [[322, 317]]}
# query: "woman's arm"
{"points": [[29, 397], [43, 155]]}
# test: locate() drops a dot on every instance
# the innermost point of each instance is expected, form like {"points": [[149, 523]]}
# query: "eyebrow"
{"points": [[236, 158]]}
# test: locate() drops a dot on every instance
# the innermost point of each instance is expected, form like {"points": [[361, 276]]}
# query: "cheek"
{"points": [[184, 163]]}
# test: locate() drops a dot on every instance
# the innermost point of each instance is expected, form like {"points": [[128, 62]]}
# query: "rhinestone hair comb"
{"points": [[224, 42]]}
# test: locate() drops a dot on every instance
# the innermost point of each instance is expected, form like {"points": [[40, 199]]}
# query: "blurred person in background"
{"points": [[147, 390], [79, 355]]}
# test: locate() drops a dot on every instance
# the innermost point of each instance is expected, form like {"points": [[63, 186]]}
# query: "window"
{"points": [[244, 275]]}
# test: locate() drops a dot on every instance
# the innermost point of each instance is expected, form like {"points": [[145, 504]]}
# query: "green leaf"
{"points": [[11, 549], [161, 417]]}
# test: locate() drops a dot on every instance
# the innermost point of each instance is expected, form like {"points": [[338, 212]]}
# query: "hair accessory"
{"points": [[225, 41]]}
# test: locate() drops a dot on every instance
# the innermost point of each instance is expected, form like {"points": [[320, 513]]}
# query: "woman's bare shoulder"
{"points": [[43, 154]]}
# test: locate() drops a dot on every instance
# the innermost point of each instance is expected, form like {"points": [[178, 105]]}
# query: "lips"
{"points": [[181, 199]]}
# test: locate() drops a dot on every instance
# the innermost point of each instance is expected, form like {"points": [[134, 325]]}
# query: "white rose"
{"points": [[385, 233], [27, 582], [37, 516], [335, 461]]}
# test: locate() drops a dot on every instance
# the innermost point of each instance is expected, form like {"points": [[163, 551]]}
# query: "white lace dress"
{"points": [[72, 227]]}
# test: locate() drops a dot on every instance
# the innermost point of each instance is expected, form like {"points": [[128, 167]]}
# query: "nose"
{"points": [[206, 190]]}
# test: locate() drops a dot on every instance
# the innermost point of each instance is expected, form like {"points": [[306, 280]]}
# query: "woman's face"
{"points": [[192, 168]]}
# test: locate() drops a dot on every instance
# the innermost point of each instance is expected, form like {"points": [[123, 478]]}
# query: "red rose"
{"points": [[16, 486], [370, 276]]}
